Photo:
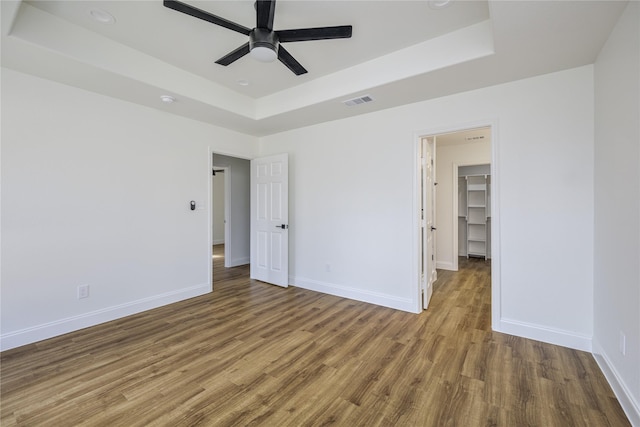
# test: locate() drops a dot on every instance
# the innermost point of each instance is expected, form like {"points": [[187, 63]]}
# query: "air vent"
{"points": [[357, 101]]}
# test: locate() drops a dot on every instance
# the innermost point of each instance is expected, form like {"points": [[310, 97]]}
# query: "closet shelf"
{"points": [[476, 200]]}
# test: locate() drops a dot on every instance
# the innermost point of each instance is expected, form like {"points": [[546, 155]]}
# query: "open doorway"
{"points": [[462, 225], [221, 197], [230, 210], [454, 150]]}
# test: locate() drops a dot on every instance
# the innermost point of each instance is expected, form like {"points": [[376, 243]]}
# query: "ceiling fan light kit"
{"points": [[264, 43]]}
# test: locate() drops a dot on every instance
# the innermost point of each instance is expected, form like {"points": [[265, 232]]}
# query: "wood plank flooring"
{"points": [[252, 354]]}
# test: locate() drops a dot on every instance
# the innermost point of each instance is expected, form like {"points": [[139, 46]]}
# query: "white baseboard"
{"points": [[444, 265], [630, 406], [239, 261], [218, 241], [544, 334], [70, 324], [385, 300]]}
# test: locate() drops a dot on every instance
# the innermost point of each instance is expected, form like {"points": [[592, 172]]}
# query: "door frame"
{"points": [[210, 152], [227, 216], [210, 215], [496, 291]]}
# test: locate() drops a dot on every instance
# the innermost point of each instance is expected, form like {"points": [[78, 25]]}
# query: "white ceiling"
{"points": [[400, 52]]}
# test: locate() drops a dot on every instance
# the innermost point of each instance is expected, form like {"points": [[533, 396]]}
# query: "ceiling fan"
{"points": [[264, 42]]}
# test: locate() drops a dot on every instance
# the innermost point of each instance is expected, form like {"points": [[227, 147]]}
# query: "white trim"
{"points": [[227, 209], [456, 221], [416, 224], [210, 216], [496, 254], [85, 320], [239, 261], [630, 406], [377, 298], [545, 334], [227, 215], [442, 265]]}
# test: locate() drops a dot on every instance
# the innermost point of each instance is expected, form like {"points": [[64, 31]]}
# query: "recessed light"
{"points": [[440, 4], [102, 16], [167, 99], [243, 82]]}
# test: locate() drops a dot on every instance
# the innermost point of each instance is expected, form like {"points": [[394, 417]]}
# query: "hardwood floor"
{"points": [[255, 354]]}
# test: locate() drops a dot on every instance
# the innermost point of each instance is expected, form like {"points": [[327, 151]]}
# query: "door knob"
{"points": [[283, 226], [433, 228]]}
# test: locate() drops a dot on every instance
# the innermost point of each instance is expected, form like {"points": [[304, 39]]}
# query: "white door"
{"points": [[428, 227], [270, 219]]}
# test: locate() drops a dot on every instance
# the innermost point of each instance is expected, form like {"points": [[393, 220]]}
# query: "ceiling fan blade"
{"points": [[285, 57], [323, 33], [234, 56], [206, 16], [265, 9]]}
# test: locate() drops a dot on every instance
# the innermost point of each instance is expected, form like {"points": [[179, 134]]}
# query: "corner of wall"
{"points": [[545, 334], [630, 406], [377, 298]]}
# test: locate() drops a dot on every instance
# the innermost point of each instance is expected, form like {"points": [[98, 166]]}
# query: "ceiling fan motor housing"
{"points": [[260, 37], [264, 43]]}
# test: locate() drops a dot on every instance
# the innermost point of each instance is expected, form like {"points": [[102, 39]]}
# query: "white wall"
{"points": [[352, 201], [96, 191], [218, 208], [466, 153], [239, 209], [617, 209]]}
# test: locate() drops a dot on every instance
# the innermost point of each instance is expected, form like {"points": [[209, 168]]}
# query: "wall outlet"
{"points": [[623, 343], [83, 291]]}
